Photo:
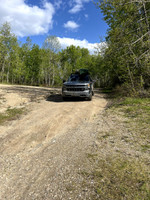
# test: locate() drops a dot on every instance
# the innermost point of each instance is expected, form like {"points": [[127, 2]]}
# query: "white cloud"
{"points": [[76, 8], [58, 3], [78, 5], [26, 20], [71, 25], [65, 42], [86, 16]]}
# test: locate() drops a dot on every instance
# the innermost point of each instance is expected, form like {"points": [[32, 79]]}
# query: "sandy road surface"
{"points": [[40, 150]]}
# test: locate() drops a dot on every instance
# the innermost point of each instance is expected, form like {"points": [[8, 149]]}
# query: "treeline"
{"points": [[127, 58], [49, 65], [124, 59]]}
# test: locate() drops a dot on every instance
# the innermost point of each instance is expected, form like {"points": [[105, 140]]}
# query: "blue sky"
{"points": [[76, 22]]}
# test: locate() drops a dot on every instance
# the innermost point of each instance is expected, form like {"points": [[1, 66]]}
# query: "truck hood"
{"points": [[76, 83]]}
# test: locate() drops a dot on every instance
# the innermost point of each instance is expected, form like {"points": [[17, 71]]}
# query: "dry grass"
{"points": [[118, 178], [10, 114], [121, 163]]}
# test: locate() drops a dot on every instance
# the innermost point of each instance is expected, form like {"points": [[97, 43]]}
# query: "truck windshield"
{"points": [[79, 78]]}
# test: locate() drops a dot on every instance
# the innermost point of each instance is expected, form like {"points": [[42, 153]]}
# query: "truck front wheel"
{"points": [[64, 98], [90, 97]]}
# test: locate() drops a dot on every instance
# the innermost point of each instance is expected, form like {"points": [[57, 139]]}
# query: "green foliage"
{"points": [[10, 62], [135, 101], [127, 58], [34, 65], [123, 59], [29, 64], [74, 58], [50, 60]]}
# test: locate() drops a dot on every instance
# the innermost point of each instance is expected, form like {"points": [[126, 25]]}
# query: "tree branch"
{"points": [[140, 38]]}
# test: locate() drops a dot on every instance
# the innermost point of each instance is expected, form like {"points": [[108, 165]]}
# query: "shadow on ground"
{"points": [[33, 93], [55, 96], [49, 94], [58, 98]]}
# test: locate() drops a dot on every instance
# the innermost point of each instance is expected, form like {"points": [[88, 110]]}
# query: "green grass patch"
{"points": [[118, 179], [10, 114], [137, 110], [135, 101]]}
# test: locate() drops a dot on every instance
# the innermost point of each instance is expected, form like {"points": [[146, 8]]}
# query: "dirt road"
{"points": [[42, 152]]}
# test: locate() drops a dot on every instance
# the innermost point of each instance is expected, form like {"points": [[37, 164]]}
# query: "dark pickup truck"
{"points": [[79, 84]]}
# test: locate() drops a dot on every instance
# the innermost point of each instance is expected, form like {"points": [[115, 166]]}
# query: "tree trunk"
{"points": [[8, 73], [53, 75], [49, 79], [130, 76], [3, 69]]}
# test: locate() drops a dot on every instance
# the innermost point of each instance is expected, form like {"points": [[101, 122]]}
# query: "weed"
{"points": [[10, 114], [70, 188], [145, 147], [106, 136], [92, 157]]}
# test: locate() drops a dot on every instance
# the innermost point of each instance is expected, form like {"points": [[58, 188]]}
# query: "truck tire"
{"points": [[90, 97], [64, 98]]}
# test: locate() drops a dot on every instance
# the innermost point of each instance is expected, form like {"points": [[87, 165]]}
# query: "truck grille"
{"points": [[75, 88]]}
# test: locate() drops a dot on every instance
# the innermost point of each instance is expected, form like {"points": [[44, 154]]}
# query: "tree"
{"points": [[9, 51], [35, 63], [128, 40], [25, 54], [51, 47], [74, 58]]}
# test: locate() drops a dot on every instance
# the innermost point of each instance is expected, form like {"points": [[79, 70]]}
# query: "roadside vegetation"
{"points": [[122, 164], [119, 178], [121, 161], [122, 59], [11, 114]]}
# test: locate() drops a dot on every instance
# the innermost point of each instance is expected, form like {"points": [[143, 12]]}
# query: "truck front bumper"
{"points": [[85, 93]]}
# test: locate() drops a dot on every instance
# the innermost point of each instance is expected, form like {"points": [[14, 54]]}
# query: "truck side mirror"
{"points": [[64, 81]]}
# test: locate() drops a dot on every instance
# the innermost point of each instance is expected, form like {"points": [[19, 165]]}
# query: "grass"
{"points": [[145, 147], [107, 90], [121, 172], [135, 106], [137, 113], [118, 179], [135, 101], [137, 110], [10, 114]]}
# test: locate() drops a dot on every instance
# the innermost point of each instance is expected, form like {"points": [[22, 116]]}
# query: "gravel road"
{"points": [[43, 153]]}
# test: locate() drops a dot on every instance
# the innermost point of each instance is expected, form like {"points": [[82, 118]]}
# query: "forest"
{"points": [[123, 61]]}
